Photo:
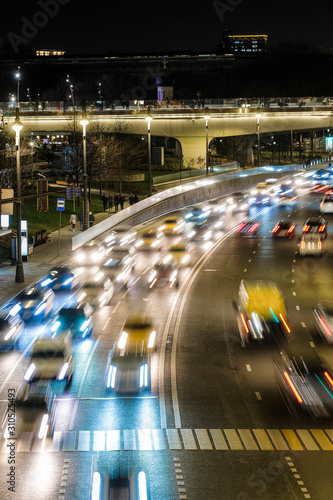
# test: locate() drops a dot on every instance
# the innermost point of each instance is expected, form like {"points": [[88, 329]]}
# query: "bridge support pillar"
{"points": [[194, 151]]}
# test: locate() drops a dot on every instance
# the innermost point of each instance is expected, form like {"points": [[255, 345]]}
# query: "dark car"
{"points": [[60, 278], [127, 372], [316, 225], [164, 273], [35, 303], [247, 228], [11, 328], [133, 486], [77, 319], [305, 383], [284, 229]]}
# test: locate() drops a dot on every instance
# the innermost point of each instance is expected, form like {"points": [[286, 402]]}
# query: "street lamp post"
{"points": [[84, 122], [258, 115], [149, 119], [17, 126], [207, 116], [18, 76]]}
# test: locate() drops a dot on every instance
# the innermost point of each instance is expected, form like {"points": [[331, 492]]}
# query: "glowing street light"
{"points": [[258, 115], [84, 122], [17, 127], [18, 77], [149, 118], [207, 116]]}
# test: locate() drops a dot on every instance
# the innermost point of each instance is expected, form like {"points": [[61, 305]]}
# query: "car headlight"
{"points": [[62, 371], [40, 309], [144, 375], [185, 259], [111, 378], [96, 486], [80, 257], [139, 243], [152, 276], [84, 325], [122, 340], [55, 326], [43, 426], [15, 309], [30, 371], [10, 333], [151, 340]]}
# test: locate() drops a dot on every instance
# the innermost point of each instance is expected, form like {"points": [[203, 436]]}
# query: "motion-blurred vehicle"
{"points": [[91, 253], [286, 195], [150, 240], [172, 225], [138, 329], [131, 487], [121, 236], [310, 244], [32, 412], [11, 329], [51, 359], [305, 383], [195, 213], [60, 278], [35, 303], [76, 319], [97, 291], [263, 194], [164, 273], [239, 202], [316, 225], [119, 264], [261, 312], [284, 229], [247, 228], [326, 205], [323, 319], [127, 371], [181, 253]]}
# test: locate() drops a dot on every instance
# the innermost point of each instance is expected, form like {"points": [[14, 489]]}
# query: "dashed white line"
{"points": [[245, 270], [258, 396], [146, 270], [115, 308], [294, 293], [298, 308], [248, 367], [107, 321], [137, 279], [303, 324], [124, 295]]}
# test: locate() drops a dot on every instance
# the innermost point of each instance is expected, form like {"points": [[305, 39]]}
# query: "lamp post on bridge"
{"points": [[17, 126], [258, 115], [84, 122], [207, 116], [149, 118]]}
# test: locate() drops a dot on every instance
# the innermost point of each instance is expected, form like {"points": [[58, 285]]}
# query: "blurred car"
{"points": [[238, 202], [150, 240], [287, 198], [247, 228], [284, 229], [76, 319], [316, 225], [310, 244], [138, 334], [127, 372], [204, 232], [326, 205], [164, 273], [181, 253], [33, 412], [51, 359], [305, 383], [195, 213], [121, 236], [60, 278], [119, 264], [323, 318], [90, 253], [35, 303], [172, 225], [132, 487], [97, 290], [11, 329]]}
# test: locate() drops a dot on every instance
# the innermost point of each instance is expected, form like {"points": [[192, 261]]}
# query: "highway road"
{"points": [[214, 424]]}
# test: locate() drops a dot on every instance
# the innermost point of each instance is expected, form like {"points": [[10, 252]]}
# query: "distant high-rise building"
{"points": [[245, 44]]}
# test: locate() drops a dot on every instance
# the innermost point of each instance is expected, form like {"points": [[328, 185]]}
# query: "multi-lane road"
{"points": [[214, 424]]}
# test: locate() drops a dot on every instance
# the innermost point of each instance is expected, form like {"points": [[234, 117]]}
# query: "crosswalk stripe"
{"points": [[233, 439], [292, 439], [308, 441], [159, 439], [263, 439], [173, 439], [145, 442], [113, 440], [277, 439], [129, 440], [99, 441], [83, 441], [203, 439], [323, 440], [188, 439], [329, 432], [247, 439], [24, 443], [218, 439], [56, 441], [69, 441]]}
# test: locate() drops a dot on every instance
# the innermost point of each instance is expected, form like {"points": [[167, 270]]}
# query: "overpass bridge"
{"points": [[189, 126]]}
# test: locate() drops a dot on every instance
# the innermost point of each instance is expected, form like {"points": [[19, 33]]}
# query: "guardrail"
{"points": [[185, 174]]}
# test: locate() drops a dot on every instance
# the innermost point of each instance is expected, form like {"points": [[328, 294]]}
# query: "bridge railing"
{"points": [[134, 105]]}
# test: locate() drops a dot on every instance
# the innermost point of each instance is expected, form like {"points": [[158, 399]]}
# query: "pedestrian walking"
{"points": [[104, 200], [122, 201], [110, 202], [116, 202], [131, 199], [136, 198], [91, 219], [72, 221]]}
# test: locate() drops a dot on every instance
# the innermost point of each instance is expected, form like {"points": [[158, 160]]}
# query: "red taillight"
{"points": [[306, 228], [285, 323], [329, 378], [292, 387], [244, 323], [240, 227], [253, 227], [290, 230], [325, 326], [277, 227], [322, 228]]}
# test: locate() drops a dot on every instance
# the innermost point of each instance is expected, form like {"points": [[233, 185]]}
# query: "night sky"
{"points": [[101, 26]]}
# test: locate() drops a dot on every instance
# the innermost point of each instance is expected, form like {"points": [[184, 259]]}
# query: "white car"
{"points": [[326, 206], [91, 253], [120, 264], [121, 236], [51, 359], [310, 244], [97, 291]]}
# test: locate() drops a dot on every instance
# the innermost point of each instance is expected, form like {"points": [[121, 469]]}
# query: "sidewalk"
{"points": [[44, 258]]}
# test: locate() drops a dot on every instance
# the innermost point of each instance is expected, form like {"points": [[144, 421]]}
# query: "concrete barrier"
{"points": [[180, 196]]}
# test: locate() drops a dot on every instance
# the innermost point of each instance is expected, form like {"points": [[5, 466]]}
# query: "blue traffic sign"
{"points": [[61, 204]]}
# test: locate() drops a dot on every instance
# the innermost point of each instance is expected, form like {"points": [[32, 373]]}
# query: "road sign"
{"points": [[73, 191], [61, 204]]}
